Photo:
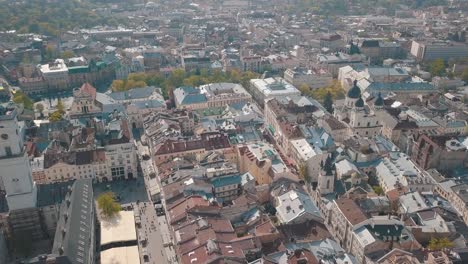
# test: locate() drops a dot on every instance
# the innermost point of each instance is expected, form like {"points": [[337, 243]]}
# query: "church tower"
{"points": [[15, 170], [326, 178], [354, 93], [379, 103]]}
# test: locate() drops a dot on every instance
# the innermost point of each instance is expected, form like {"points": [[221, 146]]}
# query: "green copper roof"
{"points": [[354, 92]]}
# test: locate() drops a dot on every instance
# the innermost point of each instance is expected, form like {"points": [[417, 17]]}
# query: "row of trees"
{"points": [[179, 77]]}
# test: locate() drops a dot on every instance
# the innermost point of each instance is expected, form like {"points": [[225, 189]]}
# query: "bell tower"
{"points": [[15, 170]]}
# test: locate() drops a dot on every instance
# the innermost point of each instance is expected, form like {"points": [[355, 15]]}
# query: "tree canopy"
{"points": [[21, 98], [378, 190], [108, 205], [51, 17], [334, 89], [440, 243], [437, 67], [55, 116]]}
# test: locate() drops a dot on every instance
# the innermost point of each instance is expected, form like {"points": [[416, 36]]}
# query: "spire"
{"points": [[379, 101]]}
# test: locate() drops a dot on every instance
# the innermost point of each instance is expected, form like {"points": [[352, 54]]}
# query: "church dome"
{"points": [[359, 102], [354, 92]]}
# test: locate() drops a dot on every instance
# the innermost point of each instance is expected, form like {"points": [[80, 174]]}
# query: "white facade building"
{"points": [[264, 89]]}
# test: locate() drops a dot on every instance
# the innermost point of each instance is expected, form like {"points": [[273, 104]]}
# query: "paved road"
{"points": [[149, 231], [153, 227]]}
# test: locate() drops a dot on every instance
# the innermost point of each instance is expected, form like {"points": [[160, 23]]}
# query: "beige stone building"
{"points": [[262, 161]]}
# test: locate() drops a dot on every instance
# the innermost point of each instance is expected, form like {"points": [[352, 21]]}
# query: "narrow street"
{"points": [[154, 228]]}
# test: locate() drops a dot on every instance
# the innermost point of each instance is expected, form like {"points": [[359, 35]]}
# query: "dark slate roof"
{"points": [[370, 43], [376, 87], [354, 92], [74, 236]]}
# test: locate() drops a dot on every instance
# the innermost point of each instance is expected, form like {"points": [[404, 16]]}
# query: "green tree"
{"points": [[21, 98], [440, 243], [437, 67], [328, 102], [108, 205]]}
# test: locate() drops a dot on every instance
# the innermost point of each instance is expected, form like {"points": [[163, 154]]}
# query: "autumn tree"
{"points": [[378, 190], [437, 67], [464, 76], [440, 243], [21, 98], [118, 85], [304, 172], [108, 204]]}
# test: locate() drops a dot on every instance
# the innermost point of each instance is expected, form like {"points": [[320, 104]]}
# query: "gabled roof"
{"points": [[88, 89]]}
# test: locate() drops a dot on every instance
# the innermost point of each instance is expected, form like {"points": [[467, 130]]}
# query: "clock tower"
{"points": [[15, 170]]}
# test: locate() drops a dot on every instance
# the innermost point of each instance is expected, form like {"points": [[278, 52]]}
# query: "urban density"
{"points": [[234, 131]]}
